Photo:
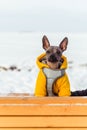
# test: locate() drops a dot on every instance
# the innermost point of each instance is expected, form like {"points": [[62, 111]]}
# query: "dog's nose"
{"points": [[53, 58]]}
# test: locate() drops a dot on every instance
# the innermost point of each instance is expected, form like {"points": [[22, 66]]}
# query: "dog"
{"points": [[52, 78], [52, 65]]}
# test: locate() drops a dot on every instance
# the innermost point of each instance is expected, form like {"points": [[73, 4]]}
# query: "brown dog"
{"points": [[54, 53], [52, 78]]}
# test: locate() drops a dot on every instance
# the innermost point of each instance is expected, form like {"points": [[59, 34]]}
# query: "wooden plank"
{"points": [[42, 100], [44, 122], [43, 129], [43, 109]]}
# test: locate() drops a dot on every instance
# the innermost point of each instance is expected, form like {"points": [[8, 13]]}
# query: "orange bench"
{"points": [[45, 113]]}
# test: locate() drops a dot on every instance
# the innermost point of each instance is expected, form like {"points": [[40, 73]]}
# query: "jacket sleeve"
{"points": [[40, 89], [63, 86]]}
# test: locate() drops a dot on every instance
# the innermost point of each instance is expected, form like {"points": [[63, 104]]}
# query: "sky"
{"points": [[43, 15]]}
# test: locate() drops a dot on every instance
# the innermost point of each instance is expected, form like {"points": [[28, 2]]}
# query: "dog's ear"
{"points": [[45, 42], [63, 44]]}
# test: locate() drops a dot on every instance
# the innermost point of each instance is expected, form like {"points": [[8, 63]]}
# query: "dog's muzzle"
{"points": [[53, 58]]}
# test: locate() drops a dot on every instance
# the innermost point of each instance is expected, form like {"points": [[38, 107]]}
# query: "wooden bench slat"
{"points": [[43, 110], [42, 100], [43, 122], [43, 128], [43, 106]]}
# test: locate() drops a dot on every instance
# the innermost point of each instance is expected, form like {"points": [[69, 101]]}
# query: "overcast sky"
{"points": [[43, 15]]}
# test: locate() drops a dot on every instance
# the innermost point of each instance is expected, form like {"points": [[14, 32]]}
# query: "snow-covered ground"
{"points": [[20, 49]]}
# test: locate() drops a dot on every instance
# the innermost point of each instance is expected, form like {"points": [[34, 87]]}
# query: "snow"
{"points": [[21, 50]]}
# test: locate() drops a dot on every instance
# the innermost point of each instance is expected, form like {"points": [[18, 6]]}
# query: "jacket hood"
{"points": [[43, 65]]}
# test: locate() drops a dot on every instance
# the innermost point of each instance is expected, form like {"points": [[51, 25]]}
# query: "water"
{"points": [[21, 49]]}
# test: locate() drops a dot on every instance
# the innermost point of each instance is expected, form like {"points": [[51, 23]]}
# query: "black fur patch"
{"points": [[79, 93]]}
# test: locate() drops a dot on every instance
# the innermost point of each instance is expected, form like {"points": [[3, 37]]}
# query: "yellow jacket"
{"points": [[61, 86]]}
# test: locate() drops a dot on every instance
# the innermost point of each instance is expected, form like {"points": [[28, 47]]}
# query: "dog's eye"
{"points": [[48, 51]]}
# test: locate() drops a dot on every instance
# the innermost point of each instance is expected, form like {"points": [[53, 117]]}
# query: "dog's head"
{"points": [[54, 53]]}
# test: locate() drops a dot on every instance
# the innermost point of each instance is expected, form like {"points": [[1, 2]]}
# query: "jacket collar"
{"points": [[43, 65]]}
